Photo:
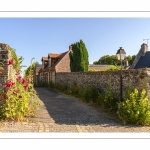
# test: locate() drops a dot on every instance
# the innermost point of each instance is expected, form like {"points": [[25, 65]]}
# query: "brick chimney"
{"points": [[70, 47], [126, 63], [144, 48]]}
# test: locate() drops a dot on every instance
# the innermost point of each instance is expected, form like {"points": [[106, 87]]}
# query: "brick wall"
{"points": [[136, 78]]}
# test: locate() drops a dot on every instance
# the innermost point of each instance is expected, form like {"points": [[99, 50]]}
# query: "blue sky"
{"points": [[36, 37]]}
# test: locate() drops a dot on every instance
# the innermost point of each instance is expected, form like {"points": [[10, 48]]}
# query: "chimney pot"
{"points": [[70, 47]]}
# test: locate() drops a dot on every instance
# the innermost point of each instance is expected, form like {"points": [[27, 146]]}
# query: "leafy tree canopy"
{"points": [[30, 69], [112, 60]]}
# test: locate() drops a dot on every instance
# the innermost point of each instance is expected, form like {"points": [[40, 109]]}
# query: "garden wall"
{"points": [[8, 72], [135, 78]]}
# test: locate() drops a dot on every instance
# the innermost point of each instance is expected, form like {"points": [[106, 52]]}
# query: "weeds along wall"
{"points": [[133, 78]]}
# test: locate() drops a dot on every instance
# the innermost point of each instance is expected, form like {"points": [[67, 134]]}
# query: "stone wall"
{"points": [[8, 71], [136, 78]]}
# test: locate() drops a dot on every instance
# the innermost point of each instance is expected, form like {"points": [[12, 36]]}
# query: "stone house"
{"points": [[36, 73], [51, 65], [142, 59]]}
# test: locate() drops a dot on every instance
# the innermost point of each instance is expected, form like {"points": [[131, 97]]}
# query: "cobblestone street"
{"points": [[62, 113]]}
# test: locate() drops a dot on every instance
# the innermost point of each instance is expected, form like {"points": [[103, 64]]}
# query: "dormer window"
{"points": [[44, 61]]}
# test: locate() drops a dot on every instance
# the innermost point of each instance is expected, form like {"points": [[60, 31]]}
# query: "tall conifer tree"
{"points": [[79, 57]]}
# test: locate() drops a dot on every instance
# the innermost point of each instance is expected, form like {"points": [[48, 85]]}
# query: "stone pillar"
{"points": [[4, 56]]}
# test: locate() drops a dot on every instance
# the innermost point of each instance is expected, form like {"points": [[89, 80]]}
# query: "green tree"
{"points": [[108, 60], [30, 69], [130, 59], [79, 57], [112, 60]]}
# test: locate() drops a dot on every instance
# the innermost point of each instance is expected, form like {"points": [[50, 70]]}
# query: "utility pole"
{"points": [[147, 41]]}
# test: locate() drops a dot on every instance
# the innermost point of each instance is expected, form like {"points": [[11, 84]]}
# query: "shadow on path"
{"points": [[63, 109]]}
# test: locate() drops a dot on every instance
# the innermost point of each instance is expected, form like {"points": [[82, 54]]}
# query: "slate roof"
{"points": [[144, 61]]}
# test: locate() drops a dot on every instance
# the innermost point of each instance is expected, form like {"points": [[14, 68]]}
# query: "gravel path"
{"points": [[62, 113]]}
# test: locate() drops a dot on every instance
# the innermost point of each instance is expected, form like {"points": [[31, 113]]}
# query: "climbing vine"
{"points": [[17, 60]]}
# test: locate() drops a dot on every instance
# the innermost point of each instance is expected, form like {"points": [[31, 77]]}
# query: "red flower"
{"points": [[20, 96], [11, 62], [23, 81], [26, 87], [19, 78], [9, 84]]}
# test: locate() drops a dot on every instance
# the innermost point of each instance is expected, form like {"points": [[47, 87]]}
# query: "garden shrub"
{"points": [[64, 87], [112, 68], [51, 84], [61, 87], [135, 109], [108, 99], [90, 94], [15, 100], [75, 90]]}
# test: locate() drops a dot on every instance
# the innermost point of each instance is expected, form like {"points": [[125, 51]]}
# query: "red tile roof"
{"points": [[61, 56], [51, 55], [44, 58]]}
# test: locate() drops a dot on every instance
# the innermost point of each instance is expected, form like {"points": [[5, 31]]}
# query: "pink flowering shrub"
{"points": [[15, 100]]}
